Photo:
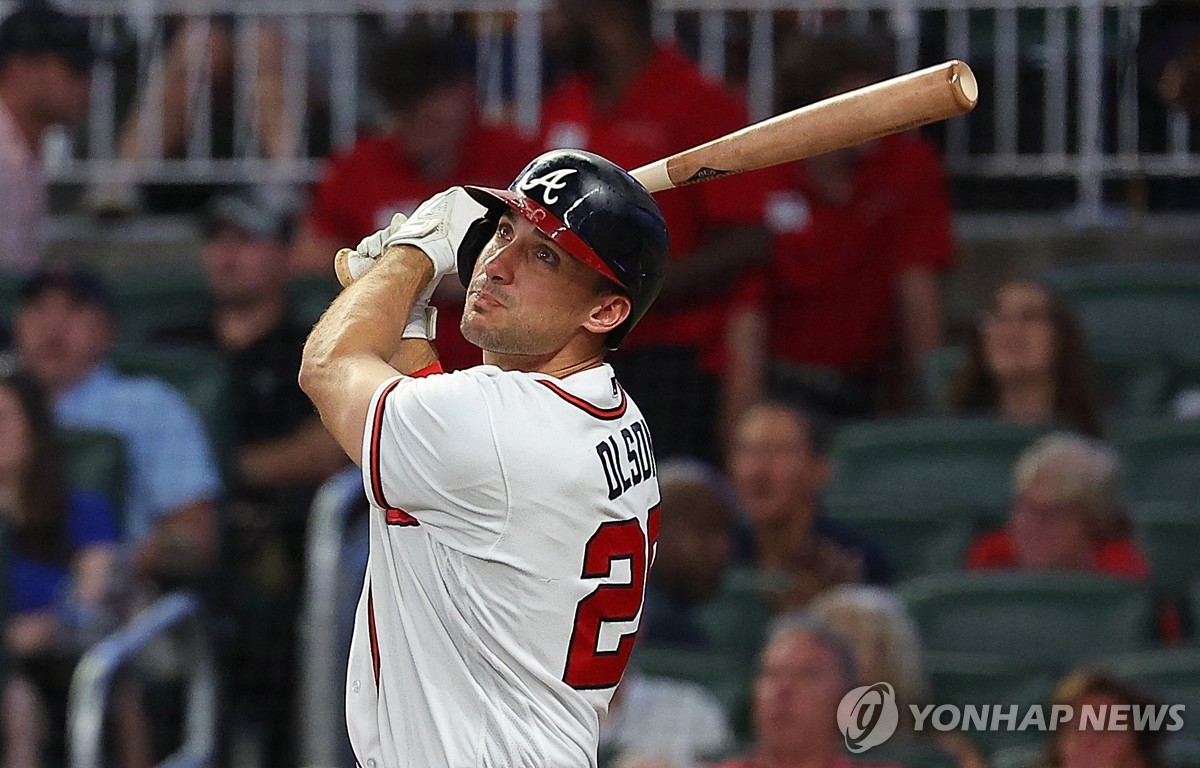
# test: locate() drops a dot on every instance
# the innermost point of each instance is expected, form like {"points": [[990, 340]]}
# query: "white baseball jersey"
{"points": [[514, 517]]}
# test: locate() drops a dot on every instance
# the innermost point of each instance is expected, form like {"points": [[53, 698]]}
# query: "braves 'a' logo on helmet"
{"points": [[550, 183]]}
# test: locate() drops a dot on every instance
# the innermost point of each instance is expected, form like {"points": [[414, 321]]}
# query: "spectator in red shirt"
{"points": [[1028, 362], [805, 669], [634, 101], [436, 140], [861, 237], [1069, 514]]}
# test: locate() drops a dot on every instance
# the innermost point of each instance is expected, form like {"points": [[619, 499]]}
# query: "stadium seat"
{"points": [[1161, 458], [95, 460], [1132, 387], [1144, 311], [963, 460], [728, 679], [147, 304], [1047, 621], [1170, 536], [1172, 676], [960, 679], [938, 370], [918, 538], [736, 619], [200, 375]]}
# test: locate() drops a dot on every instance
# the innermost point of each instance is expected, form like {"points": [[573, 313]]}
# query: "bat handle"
{"points": [[341, 267], [653, 176]]}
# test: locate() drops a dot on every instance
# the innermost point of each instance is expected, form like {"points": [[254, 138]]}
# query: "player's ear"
{"points": [[609, 311]]}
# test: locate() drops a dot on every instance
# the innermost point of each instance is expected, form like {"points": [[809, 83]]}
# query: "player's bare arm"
{"points": [[350, 351]]}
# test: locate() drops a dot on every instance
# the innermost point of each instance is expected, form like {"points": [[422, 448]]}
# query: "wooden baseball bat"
{"points": [[895, 105]]}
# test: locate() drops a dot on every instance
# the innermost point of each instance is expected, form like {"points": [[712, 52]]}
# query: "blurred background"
{"points": [[926, 411]]}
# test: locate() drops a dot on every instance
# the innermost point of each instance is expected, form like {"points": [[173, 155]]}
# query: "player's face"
{"points": [[241, 267], [796, 693], [60, 339], [1018, 334], [14, 436], [773, 467], [527, 296]]}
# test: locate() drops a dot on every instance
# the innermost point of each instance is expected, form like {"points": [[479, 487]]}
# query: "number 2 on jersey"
{"points": [[587, 666]]}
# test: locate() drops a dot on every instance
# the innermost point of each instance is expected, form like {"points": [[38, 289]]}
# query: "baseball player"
{"points": [[514, 504]]}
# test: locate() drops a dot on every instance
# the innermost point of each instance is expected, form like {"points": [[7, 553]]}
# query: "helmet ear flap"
{"points": [[476, 236]]}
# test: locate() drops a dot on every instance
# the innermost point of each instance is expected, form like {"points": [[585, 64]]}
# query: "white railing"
{"points": [[180, 613], [1082, 122]]}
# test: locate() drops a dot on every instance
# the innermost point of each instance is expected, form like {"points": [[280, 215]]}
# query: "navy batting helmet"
{"points": [[593, 210]]}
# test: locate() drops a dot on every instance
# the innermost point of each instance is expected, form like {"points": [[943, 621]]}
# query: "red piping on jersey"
{"points": [[376, 436], [374, 637], [429, 370], [606, 414]]}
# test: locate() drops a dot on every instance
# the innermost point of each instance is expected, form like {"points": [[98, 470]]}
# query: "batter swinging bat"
{"points": [[895, 105]]}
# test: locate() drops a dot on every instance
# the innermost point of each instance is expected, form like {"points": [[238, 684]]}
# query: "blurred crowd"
{"points": [[802, 311]]}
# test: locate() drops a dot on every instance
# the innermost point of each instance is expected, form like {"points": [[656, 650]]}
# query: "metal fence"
{"points": [[1059, 83]]}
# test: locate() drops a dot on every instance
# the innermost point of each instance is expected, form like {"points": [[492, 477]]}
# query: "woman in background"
{"points": [[1073, 745], [62, 547], [1027, 362]]}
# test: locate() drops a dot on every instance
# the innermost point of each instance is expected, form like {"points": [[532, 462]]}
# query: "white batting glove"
{"points": [[422, 318], [371, 247], [438, 226]]}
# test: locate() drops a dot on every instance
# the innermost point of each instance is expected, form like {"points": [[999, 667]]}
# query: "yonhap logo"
{"points": [[868, 716]]}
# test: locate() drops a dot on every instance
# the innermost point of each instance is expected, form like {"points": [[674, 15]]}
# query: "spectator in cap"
{"points": [[282, 454], [63, 329], [45, 61]]}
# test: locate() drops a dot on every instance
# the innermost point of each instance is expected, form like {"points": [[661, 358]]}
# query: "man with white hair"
{"points": [[1069, 513]]}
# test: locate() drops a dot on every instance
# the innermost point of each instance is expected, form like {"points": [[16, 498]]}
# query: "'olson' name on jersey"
{"points": [[629, 462]]}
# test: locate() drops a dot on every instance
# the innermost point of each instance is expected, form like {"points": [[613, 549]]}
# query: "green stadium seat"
{"points": [[1162, 458], [1048, 621], [973, 678], [938, 370], [95, 460], [1140, 311], [1172, 676], [150, 303], [1132, 387], [964, 460], [736, 619], [917, 538], [1170, 536], [728, 679], [200, 375]]}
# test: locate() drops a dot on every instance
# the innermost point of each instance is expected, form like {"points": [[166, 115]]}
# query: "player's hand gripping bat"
{"points": [[895, 105]]}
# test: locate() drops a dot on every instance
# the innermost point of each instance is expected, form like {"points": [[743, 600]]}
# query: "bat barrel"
{"points": [[899, 104]]}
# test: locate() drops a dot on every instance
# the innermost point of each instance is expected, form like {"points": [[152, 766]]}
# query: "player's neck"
{"points": [[560, 364]]}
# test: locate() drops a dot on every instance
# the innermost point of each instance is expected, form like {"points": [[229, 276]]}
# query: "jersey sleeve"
{"points": [[431, 458]]}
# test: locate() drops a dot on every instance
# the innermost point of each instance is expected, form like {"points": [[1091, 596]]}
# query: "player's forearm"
{"points": [[357, 344]]}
